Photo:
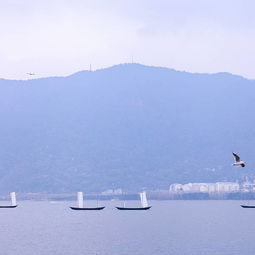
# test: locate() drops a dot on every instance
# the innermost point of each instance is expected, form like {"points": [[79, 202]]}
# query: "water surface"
{"points": [[170, 227]]}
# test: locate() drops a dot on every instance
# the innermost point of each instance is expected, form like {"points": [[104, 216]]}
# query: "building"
{"points": [[112, 192], [218, 187], [224, 187], [248, 187], [176, 187]]}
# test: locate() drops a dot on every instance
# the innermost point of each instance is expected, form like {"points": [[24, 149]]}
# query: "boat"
{"points": [[13, 201], [87, 208], [81, 207], [248, 206], [144, 204]]}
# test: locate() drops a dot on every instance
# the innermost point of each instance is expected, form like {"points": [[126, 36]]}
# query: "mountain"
{"points": [[129, 126]]}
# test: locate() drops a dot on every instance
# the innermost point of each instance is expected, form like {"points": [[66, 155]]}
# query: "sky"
{"points": [[60, 37]]}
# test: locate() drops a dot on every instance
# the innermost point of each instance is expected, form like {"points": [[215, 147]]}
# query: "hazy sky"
{"points": [[59, 37]]}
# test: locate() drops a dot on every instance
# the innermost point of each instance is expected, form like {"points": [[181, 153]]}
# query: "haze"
{"points": [[57, 37]]}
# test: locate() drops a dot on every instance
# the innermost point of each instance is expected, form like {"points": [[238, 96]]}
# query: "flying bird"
{"points": [[238, 161], [30, 73]]}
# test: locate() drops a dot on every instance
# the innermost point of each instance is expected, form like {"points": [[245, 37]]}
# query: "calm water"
{"points": [[170, 227]]}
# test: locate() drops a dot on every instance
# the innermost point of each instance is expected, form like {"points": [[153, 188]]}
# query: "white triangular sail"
{"points": [[13, 198], [143, 198], [80, 199]]}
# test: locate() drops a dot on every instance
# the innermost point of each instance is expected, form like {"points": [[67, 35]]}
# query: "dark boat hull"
{"points": [[87, 208], [8, 206], [134, 208], [248, 206]]}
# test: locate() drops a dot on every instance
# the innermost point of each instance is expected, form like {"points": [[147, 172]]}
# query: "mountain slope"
{"points": [[128, 126]]}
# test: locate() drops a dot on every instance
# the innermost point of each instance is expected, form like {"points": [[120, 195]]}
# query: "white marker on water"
{"points": [[143, 198], [13, 198], [80, 199]]}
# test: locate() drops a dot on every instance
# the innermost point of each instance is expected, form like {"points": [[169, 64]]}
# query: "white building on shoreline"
{"points": [[218, 187]]}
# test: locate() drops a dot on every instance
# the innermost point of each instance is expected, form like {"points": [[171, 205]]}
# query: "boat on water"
{"points": [[144, 204], [81, 207], [87, 208], [13, 201], [248, 206]]}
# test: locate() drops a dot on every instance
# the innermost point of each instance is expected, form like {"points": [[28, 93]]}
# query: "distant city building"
{"points": [[112, 192], [220, 187], [227, 187], [176, 187], [248, 186]]}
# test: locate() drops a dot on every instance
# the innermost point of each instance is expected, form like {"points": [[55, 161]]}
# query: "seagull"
{"points": [[238, 162], [30, 73]]}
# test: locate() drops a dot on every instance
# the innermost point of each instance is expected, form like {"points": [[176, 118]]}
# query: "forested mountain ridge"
{"points": [[128, 126]]}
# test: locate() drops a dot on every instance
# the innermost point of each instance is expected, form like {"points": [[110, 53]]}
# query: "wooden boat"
{"points": [[81, 207], [87, 208], [134, 208], [8, 206], [144, 204], [13, 201], [248, 206]]}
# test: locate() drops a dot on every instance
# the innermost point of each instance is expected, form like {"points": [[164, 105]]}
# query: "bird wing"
{"points": [[237, 158]]}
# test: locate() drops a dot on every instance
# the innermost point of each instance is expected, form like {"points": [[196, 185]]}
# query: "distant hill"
{"points": [[129, 126]]}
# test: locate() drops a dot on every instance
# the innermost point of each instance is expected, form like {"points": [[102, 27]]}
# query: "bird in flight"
{"points": [[238, 161], [30, 73]]}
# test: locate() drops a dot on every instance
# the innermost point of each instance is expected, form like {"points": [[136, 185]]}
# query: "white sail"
{"points": [[143, 198], [13, 198], [80, 199]]}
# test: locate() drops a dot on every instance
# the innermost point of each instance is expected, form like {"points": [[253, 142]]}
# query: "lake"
{"points": [[170, 227]]}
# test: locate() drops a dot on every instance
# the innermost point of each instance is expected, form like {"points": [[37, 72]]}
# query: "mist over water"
{"points": [[170, 227]]}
